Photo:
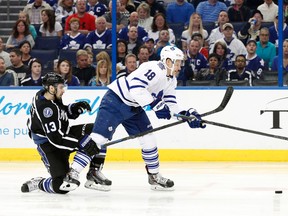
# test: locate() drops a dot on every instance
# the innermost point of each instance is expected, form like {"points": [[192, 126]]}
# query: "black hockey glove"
{"points": [[87, 145], [196, 122], [78, 108]]}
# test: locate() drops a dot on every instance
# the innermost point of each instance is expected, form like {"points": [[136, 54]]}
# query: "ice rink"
{"points": [[201, 189]]}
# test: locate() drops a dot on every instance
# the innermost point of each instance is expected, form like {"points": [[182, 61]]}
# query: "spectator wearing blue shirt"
{"points": [[265, 49], [179, 12], [194, 62], [285, 58], [210, 9], [273, 31], [133, 21], [64, 68]]}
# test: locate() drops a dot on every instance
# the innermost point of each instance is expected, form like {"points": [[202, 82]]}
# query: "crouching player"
{"points": [[153, 83], [49, 128]]}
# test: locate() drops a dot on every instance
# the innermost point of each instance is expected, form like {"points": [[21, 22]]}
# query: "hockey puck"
{"points": [[278, 192]]}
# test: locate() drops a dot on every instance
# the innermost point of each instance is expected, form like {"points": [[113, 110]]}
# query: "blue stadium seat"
{"points": [[209, 26], [47, 43], [68, 54], [177, 28], [46, 57], [238, 26]]}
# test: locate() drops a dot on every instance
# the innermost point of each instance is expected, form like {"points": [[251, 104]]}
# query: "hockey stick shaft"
{"points": [[225, 100], [244, 130]]}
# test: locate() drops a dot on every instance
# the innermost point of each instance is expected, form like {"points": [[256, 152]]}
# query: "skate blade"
{"points": [[92, 185], [69, 186], [160, 188]]}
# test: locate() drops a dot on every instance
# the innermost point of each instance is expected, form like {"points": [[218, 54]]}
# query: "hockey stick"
{"points": [[244, 130], [225, 100]]}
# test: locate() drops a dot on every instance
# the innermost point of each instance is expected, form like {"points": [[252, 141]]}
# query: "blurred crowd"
{"points": [[222, 41]]}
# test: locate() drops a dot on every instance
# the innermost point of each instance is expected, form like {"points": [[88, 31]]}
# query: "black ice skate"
{"points": [[31, 185], [158, 182], [71, 181], [97, 181]]}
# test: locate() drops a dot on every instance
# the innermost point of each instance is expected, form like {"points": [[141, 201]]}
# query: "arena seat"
{"points": [[47, 43], [234, 83], [200, 83], [68, 54], [46, 57], [265, 82]]}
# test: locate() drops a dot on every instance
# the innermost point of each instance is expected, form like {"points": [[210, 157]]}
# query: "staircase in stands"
{"points": [[9, 10]]}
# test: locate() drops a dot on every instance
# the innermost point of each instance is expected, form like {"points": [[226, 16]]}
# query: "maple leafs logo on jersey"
{"points": [[47, 112]]}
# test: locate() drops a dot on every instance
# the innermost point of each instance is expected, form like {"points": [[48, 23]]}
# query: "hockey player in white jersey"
{"points": [[153, 83]]}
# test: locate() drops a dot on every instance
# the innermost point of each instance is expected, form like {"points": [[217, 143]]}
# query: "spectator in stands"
{"points": [[238, 12], [203, 50], [50, 27], [4, 54], [273, 31], [127, 5], [179, 12], [101, 38], [194, 62], [133, 43], [195, 26], [91, 58], [24, 16], [210, 9], [213, 71], [17, 65], [221, 50], [86, 20], [65, 8], [20, 33], [95, 8], [265, 49], [103, 74], [235, 46], [162, 41], [253, 4], [143, 55], [122, 19], [52, 3], [149, 43], [7, 77], [217, 33], [130, 65], [240, 72], [133, 21], [145, 19], [253, 61], [285, 58], [251, 29], [159, 23], [122, 51], [25, 48], [83, 71], [74, 39], [269, 10], [103, 55], [34, 77], [64, 67], [34, 10], [155, 7]]}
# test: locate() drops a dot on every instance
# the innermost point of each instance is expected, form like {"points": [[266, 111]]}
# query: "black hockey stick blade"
{"points": [[244, 130], [224, 102]]}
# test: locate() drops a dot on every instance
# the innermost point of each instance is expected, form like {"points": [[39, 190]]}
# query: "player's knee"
{"points": [[98, 138], [148, 141], [57, 182]]}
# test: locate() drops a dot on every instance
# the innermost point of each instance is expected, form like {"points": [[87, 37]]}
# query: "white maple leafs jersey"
{"points": [[144, 84]]}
